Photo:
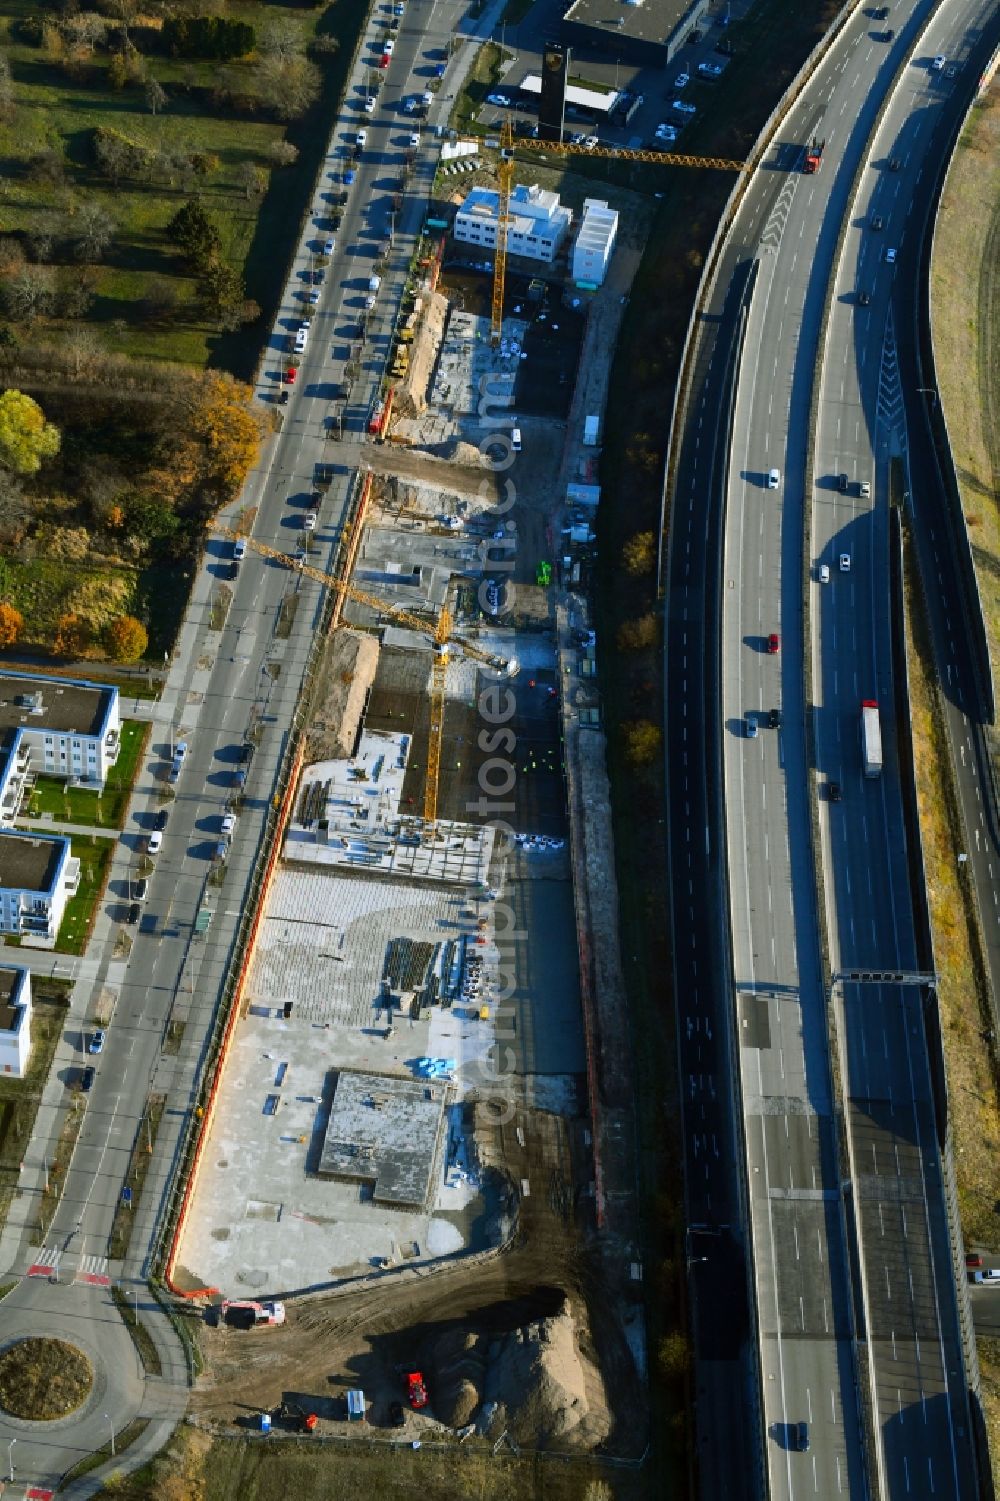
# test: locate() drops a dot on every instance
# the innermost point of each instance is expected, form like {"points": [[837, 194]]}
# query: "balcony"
{"points": [[72, 878]]}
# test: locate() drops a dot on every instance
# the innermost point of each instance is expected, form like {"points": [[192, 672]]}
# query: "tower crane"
{"points": [[439, 632], [505, 176]]}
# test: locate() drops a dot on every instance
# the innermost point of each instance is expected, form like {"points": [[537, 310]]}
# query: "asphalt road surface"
{"points": [[808, 1304]]}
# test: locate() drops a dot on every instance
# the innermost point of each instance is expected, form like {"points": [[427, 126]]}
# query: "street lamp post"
{"points": [[928, 391], [10, 1459], [112, 1427]]}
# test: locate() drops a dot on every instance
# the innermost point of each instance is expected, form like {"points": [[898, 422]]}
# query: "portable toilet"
{"points": [[355, 1406], [265, 1422]]}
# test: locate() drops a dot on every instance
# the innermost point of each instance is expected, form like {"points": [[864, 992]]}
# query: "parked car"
{"points": [[500, 100], [87, 1078], [290, 375], [362, 139], [710, 70], [973, 1260], [590, 142], [309, 521], [682, 107], [160, 821], [132, 915], [370, 103], [239, 550], [682, 80], [228, 825], [154, 843], [824, 573], [666, 133], [96, 1043], [414, 138]]}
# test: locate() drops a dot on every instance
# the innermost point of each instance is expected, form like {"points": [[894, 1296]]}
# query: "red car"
{"points": [[774, 643], [416, 1390], [383, 61], [973, 1260], [290, 375]]}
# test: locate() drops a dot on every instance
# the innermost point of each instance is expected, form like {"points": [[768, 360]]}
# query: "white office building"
{"points": [[54, 727], [38, 875], [595, 242], [537, 226], [15, 1021]]}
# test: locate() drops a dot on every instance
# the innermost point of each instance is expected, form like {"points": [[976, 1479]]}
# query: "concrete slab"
{"points": [[384, 1134]]}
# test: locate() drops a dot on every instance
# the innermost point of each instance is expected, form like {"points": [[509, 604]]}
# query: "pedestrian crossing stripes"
{"points": [[93, 1270], [46, 1263]]}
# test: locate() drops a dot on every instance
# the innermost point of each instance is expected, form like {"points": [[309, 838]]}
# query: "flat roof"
{"points": [[600, 100], [385, 1131], [652, 20], [11, 980], [66, 705], [29, 862]]}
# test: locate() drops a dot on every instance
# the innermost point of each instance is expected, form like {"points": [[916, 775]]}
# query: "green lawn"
{"points": [[484, 74], [19, 1098], [105, 810], [45, 588], [95, 858], [56, 110]]}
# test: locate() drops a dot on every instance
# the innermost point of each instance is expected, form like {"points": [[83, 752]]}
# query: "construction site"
{"points": [[422, 1137]]}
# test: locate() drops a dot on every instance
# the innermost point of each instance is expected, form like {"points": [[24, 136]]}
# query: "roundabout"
{"points": [[43, 1379]]}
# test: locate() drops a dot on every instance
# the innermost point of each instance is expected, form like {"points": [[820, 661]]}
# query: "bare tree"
{"points": [[14, 508], [283, 38], [28, 293], [283, 153], [48, 166], [252, 179], [287, 88], [156, 96], [86, 30], [76, 290], [6, 89], [93, 229]]}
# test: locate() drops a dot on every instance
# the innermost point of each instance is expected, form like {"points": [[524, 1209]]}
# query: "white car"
{"points": [[500, 100], [329, 246], [414, 138], [302, 338], [590, 142], [409, 105], [890, 256], [682, 107], [362, 139], [239, 550], [228, 825], [682, 80], [309, 521], [154, 843], [752, 728], [710, 70], [666, 132], [938, 64], [773, 479], [824, 573], [370, 104], [313, 296], [370, 301], [845, 562], [387, 47]]}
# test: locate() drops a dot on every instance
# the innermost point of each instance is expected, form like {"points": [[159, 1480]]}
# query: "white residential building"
{"points": [[15, 1021], [38, 875], [595, 242], [54, 727], [538, 221]]}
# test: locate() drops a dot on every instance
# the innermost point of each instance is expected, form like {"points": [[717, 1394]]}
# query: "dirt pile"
{"points": [[534, 1381], [411, 395], [345, 675]]}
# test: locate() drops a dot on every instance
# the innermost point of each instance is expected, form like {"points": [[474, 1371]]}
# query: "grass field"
{"points": [[53, 110], [45, 588], [95, 859], [19, 1098], [80, 805]]}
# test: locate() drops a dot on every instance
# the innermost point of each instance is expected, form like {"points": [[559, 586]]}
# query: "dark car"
{"points": [[800, 1437], [283, 398], [842, 483], [774, 719], [880, 13], [132, 916], [877, 221], [888, 35], [833, 792], [864, 299], [894, 164], [160, 821], [87, 1079]]}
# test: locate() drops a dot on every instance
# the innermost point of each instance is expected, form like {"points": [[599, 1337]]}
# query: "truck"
{"points": [[247, 1313], [814, 156], [591, 426], [871, 739]]}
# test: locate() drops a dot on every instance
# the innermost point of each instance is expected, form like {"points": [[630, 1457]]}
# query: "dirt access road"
{"points": [[361, 1337]]}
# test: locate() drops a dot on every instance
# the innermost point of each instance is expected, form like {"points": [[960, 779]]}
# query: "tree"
{"points": [[287, 86], [11, 623], [639, 554], [156, 96], [252, 179], [14, 508], [204, 163], [76, 290], [283, 153], [635, 635], [28, 293], [83, 350], [48, 166], [125, 638], [72, 637], [221, 417], [283, 38], [674, 1354], [26, 438], [197, 236], [6, 89], [222, 288], [117, 71], [93, 229], [642, 741]]}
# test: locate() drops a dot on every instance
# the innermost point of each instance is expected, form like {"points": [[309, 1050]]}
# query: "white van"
{"points": [[515, 439]]}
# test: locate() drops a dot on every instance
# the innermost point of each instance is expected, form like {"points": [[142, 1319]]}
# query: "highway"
{"points": [[224, 677], [809, 1301]]}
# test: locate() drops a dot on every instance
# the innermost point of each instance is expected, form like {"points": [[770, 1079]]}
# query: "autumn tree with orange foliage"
{"points": [[125, 639], [11, 624], [222, 418], [72, 636]]}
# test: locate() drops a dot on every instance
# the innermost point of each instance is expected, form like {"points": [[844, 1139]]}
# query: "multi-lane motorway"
{"points": [[851, 1267]]}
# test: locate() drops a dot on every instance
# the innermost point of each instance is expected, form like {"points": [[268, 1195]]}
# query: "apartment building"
{"points": [[38, 875], [538, 221], [54, 727], [595, 242], [15, 1020]]}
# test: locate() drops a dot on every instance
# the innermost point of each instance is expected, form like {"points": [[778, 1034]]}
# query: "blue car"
{"points": [[96, 1044], [349, 176]]}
